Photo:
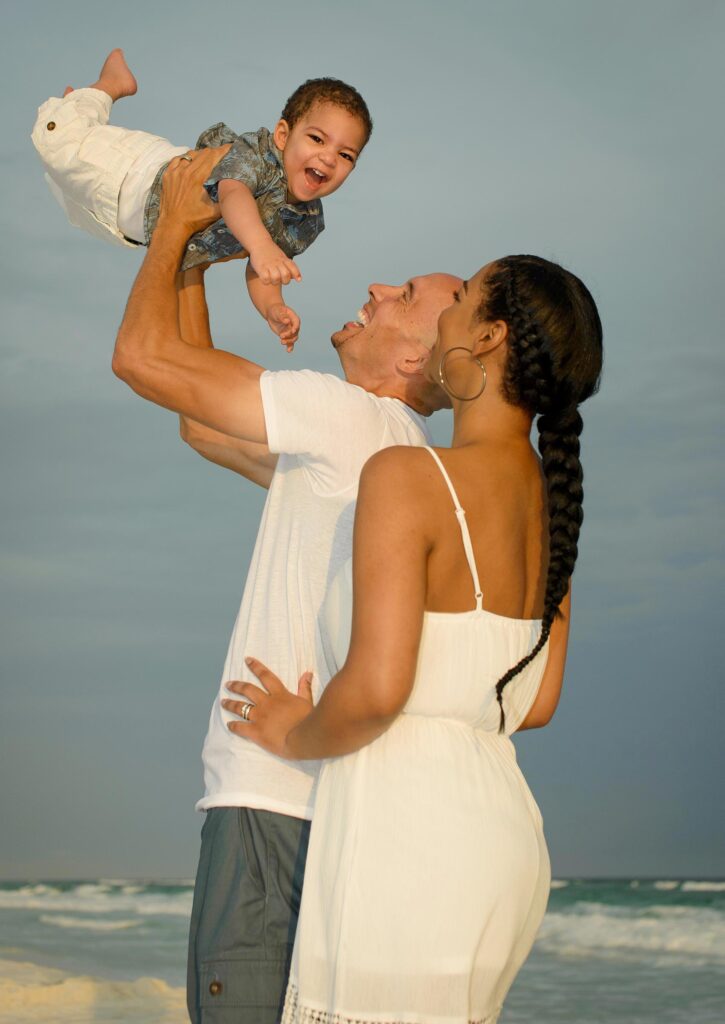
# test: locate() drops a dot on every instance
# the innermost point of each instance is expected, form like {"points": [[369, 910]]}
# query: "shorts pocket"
{"points": [[236, 991]]}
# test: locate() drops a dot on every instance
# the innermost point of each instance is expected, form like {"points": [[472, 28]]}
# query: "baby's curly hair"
{"points": [[327, 90]]}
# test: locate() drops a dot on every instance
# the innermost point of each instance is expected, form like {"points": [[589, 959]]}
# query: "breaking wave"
{"points": [[91, 924], [598, 929], [100, 898]]}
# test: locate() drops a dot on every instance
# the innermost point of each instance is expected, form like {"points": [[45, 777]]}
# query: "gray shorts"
{"points": [[244, 916]]}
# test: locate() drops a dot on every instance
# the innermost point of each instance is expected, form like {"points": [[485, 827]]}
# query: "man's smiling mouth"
{"points": [[362, 319]]}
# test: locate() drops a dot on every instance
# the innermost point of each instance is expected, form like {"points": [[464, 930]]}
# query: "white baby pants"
{"points": [[99, 173]]}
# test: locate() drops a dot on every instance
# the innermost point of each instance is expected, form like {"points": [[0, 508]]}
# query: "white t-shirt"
{"points": [[324, 430]]}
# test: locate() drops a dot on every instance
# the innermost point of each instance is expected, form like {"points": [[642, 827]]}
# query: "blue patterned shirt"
{"points": [[254, 160]]}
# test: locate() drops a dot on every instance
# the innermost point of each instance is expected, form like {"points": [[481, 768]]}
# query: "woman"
{"points": [[428, 873]]}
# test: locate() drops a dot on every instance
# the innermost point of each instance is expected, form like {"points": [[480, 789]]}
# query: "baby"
{"points": [[268, 185]]}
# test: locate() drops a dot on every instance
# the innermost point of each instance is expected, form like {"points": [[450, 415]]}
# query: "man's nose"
{"points": [[378, 292]]}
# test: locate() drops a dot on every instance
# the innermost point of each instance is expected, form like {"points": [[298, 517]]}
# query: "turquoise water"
{"points": [[634, 951]]}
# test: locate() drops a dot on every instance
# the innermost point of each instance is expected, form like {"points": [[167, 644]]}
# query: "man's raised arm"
{"points": [[215, 388], [248, 458]]}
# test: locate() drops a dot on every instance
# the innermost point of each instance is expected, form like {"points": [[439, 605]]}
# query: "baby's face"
{"points": [[320, 151]]}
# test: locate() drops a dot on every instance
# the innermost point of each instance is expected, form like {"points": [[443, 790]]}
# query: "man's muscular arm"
{"points": [[217, 389], [251, 460]]}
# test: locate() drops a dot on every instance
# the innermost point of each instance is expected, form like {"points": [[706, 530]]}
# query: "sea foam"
{"points": [[659, 932], [94, 898], [90, 924]]}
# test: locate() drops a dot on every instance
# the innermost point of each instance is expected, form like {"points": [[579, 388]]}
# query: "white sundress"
{"points": [[427, 875]]}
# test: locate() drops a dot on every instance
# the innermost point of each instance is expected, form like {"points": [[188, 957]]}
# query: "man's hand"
{"points": [[182, 196], [285, 323], [269, 715], [272, 266]]}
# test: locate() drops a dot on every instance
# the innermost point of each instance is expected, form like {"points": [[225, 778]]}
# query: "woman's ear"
{"points": [[281, 134], [492, 334]]}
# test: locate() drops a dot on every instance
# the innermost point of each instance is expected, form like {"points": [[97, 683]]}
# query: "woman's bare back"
{"points": [[502, 491]]}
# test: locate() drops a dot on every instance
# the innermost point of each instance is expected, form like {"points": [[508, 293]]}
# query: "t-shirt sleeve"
{"points": [[329, 426], [244, 163], [306, 412]]}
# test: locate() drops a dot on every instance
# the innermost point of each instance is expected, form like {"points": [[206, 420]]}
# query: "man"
{"points": [[305, 436]]}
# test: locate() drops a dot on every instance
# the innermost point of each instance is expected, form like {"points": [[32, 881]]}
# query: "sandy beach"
{"points": [[29, 992]]}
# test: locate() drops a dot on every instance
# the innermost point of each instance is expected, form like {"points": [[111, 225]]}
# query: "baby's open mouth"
{"points": [[314, 177]]}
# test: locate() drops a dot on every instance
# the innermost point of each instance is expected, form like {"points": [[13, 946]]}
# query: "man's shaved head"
{"points": [[386, 348]]}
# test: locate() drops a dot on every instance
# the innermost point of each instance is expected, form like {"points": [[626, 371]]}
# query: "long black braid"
{"points": [[554, 363]]}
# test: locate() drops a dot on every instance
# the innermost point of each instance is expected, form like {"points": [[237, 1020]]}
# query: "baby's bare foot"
{"points": [[68, 89], [116, 77]]}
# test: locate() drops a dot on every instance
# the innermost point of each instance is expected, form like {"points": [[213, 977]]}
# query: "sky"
{"points": [[590, 133]]}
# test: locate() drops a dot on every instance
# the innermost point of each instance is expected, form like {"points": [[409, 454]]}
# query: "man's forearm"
{"points": [[215, 388], [151, 321], [250, 460], [193, 310], [193, 324]]}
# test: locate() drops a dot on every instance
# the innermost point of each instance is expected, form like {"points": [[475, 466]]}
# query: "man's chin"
{"points": [[346, 331]]}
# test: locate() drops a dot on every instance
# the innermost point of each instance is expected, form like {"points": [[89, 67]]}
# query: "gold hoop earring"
{"points": [[446, 386]]}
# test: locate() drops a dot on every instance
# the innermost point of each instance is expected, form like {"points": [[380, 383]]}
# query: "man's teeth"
{"points": [[362, 318]]}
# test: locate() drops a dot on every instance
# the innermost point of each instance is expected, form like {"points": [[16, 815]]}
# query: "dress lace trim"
{"points": [[296, 1013]]}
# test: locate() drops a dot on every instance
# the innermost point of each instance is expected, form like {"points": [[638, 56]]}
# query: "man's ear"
{"points": [[413, 361], [281, 134], [493, 333]]}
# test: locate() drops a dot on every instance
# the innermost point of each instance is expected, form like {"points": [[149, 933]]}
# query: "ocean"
{"points": [[630, 951]]}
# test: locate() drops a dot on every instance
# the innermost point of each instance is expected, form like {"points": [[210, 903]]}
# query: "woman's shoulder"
{"points": [[398, 460], [396, 492], [399, 472]]}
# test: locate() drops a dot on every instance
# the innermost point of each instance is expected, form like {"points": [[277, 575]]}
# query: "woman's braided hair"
{"points": [[554, 362]]}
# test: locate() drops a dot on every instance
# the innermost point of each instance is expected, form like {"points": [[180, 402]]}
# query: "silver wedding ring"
{"points": [[246, 711], [185, 156]]}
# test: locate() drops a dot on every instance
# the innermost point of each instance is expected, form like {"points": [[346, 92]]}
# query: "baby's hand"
{"points": [[285, 323], [272, 266]]}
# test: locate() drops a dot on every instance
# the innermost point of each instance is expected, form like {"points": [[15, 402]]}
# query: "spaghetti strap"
{"points": [[465, 533]]}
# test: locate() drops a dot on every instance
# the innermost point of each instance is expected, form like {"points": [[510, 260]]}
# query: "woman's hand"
{"points": [[272, 712]]}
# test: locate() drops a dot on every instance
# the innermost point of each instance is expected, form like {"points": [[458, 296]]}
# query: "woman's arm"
{"points": [[367, 694], [542, 710]]}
